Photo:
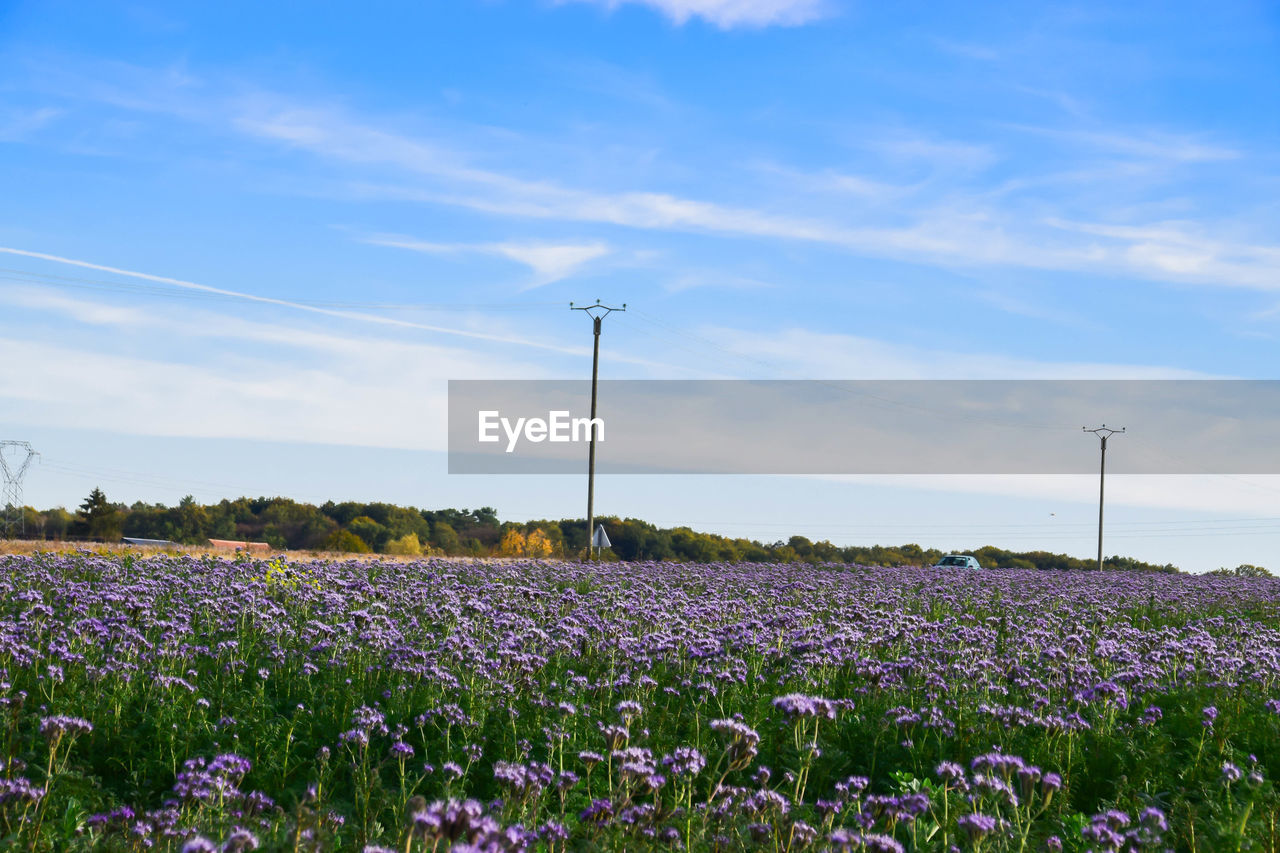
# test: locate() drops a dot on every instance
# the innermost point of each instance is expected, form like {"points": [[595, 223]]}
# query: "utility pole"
{"points": [[22, 455], [1102, 433], [597, 313]]}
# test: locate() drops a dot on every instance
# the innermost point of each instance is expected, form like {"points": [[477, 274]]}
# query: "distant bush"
{"points": [[406, 546], [1244, 570], [346, 542]]}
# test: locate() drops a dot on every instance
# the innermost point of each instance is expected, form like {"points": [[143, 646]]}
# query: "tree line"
{"points": [[383, 528]]}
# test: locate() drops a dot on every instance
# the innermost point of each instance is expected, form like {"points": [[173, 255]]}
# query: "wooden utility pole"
{"points": [[597, 313]]}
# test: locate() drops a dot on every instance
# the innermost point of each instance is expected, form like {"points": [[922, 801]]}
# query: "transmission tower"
{"points": [[15, 459]]}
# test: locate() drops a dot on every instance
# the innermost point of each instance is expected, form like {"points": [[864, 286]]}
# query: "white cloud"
{"points": [[694, 279], [1176, 251], [549, 262], [1151, 146], [962, 230], [314, 386], [957, 224], [727, 14], [552, 263], [262, 400], [808, 354], [450, 362], [943, 155]]}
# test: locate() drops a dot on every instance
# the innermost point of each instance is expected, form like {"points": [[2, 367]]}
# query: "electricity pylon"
{"points": [[21, 454]]}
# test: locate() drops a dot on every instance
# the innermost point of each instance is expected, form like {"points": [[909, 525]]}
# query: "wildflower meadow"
{"points": [[210, 704]]}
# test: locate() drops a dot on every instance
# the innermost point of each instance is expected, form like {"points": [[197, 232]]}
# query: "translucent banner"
{"points": [[865, 426]]}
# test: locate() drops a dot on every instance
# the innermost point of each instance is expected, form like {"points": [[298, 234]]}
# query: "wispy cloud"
{"points": [[280, 382], [959, 220], [943, 155], [811, 354], [357, 316], [1179, 251], [276, 403], [17, 125], [549, 262], [1018, 306], [1151, 146], [715, 279], [836, 181], [727, 14]]}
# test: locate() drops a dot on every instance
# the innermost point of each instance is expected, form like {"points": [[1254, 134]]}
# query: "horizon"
{"points": [[247, 259]]}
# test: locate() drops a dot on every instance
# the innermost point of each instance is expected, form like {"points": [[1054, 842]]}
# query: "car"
{"points": [[957, 561]]}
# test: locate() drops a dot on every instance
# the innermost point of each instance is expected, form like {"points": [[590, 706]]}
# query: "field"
{"points": [[203, 703]]}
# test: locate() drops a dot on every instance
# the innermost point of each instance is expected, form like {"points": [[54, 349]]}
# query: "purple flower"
{"points": [[629, 709], [976, 826], [239, 841], [54, 728], [799, 705], [684, 761], [600, 811], [950, 771], [359, 738]]}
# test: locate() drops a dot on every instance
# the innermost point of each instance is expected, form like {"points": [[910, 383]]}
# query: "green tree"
{"points": [[802, 547], [98, 518], [346, 542], [32, 523], [191, 522], [373, 533], [444, 537], [57, 522]]}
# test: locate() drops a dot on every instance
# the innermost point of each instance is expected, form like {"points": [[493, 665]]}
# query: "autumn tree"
{"points": [[406, 546], [537, 545], [513, 544]]}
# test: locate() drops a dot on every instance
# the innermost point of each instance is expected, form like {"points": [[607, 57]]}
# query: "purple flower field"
{"points": [[208, 704]]}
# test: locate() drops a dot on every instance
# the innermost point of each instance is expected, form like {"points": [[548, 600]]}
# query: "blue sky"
{"points": [[246, 247]]}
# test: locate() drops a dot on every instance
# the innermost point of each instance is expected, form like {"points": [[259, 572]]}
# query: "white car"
{"points": [[957, 561]]}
